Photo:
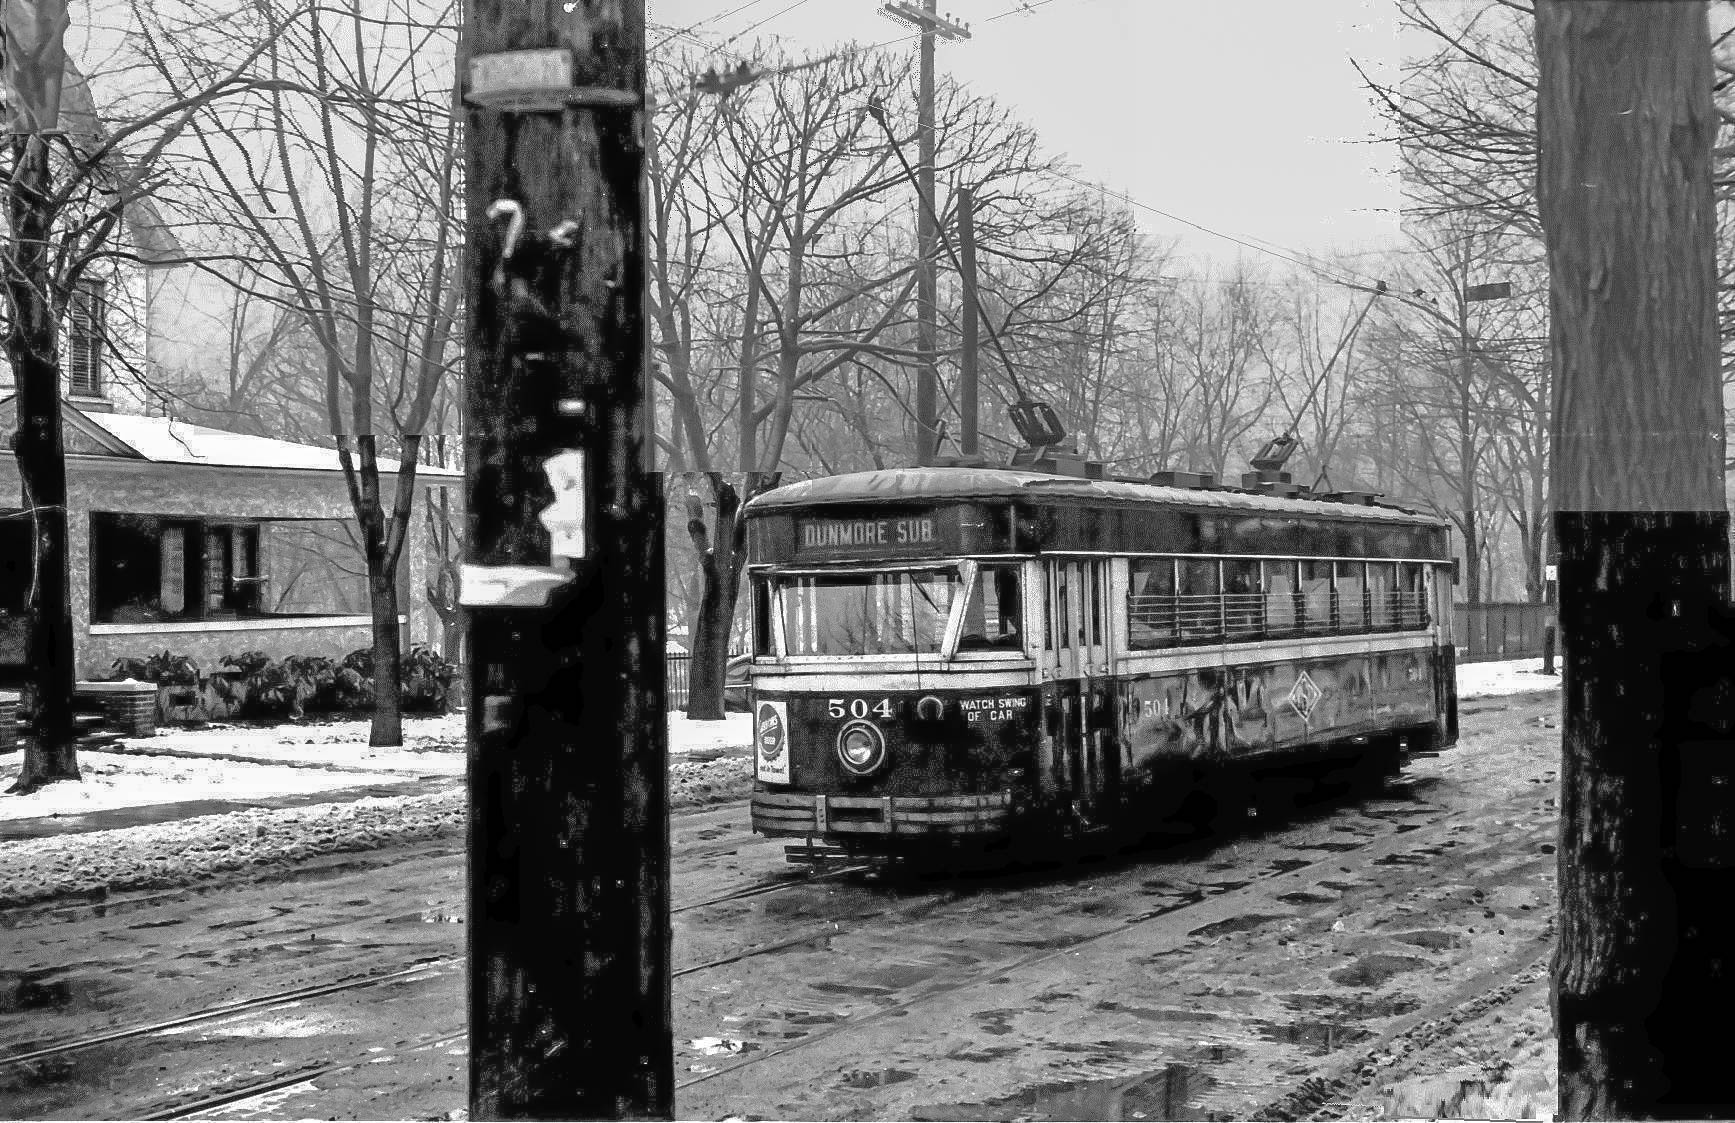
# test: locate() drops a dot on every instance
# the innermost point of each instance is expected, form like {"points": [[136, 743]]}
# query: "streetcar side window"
{"points": [[1411, 599], [1280, 596], [760, 592], [993, 614], [1382, 593], [1200, 615], [1350, 583], [1150, 602], [1316, 595], [1243, 599]]}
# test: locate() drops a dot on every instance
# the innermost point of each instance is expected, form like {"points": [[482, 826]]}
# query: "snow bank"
{"points": [[114, 780], [1513, 676], [191, 850]]}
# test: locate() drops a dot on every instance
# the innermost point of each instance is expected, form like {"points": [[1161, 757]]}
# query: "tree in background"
{"points": [[1647, 783], [343, 194], [73, 172]]}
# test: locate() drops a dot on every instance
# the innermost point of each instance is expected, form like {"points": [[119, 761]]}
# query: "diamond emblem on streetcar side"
{"points": [[1304, 695]]}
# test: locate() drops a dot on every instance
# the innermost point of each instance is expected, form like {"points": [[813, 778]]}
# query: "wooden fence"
{"points": [[1501, 630]]}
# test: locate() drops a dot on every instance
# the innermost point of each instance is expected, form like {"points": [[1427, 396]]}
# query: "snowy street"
{"points": [[1347, 960]]}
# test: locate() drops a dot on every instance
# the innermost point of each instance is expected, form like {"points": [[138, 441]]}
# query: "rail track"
{"points": [[1290, 869]]}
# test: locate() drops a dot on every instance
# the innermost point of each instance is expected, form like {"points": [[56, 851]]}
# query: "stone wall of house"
{"points": [[97, 653], [112, 484]]}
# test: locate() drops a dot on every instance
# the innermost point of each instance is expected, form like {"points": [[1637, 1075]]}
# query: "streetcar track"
{"points": [[262, 1003], [237, 1008], [280, 1081], [1188, 901]]}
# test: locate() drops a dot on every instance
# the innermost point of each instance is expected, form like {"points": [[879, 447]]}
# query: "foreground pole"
{"points": [[569, 864], [1647, 832]]}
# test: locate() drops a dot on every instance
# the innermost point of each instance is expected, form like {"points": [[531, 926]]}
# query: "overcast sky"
{"points": [[1245, 116]]}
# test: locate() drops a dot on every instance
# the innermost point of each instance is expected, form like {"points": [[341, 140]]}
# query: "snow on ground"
{"points": [[1513, 676], [432, 745], [735, 731], [114, 780], [710, 762]]}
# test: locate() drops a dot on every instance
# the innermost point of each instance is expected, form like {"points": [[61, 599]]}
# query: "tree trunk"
{"points": [[32, 346], [1642, 970], [388, 720], [720, 568]]}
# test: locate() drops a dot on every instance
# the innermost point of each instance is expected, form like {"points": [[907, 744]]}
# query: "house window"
{"points": [[146, 568], [17, 567], [89, 314]]}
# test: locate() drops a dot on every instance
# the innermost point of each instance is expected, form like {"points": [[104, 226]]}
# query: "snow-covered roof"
{"points": [[917, 484], [166, 441]]}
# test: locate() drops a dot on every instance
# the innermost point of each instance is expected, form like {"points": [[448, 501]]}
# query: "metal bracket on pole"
{"points": [[509, 586], [537, 82]]}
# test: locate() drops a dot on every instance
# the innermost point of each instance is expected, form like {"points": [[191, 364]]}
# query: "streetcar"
{"points": [[971, 656]]}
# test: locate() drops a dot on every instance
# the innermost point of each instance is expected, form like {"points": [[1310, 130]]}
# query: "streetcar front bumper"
{"points": [[810, 813]]}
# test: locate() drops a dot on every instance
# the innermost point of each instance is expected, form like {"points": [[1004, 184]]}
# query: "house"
{"points": [[200, 542], [184, 537]]}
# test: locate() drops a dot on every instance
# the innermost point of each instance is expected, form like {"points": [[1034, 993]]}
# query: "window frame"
{"points": [[87, 321]]}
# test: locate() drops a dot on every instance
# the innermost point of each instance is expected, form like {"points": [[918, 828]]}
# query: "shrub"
{"points": [[315, 680], [427, 679], [265, 689], [166, 669], [361, 661]]}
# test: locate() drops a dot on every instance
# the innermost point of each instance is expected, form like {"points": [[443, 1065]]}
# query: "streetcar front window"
{"points": [[992, 616], [889, 613]]}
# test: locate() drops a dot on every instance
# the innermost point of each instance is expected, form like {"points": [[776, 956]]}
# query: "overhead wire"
{"points": [[691, 28]]}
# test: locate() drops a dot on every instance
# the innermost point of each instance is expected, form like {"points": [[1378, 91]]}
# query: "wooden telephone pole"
{"points": [[968, 365], [1644, 966], [924, 19], [569, 861]]}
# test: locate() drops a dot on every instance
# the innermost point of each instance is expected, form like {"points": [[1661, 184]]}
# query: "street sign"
{"points": [[1494, 290]]}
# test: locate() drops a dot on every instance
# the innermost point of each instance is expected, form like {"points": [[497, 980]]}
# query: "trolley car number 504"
{"points": [[858, 707]]}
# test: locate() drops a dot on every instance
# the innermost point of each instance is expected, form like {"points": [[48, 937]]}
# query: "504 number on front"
{"points": [[858, 707]]}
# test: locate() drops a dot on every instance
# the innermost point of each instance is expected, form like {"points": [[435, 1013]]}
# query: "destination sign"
{"points": [[888, 535], [883, 533]]}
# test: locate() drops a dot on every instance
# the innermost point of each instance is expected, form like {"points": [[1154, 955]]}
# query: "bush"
{"points": [[265, 688], [315, 680], [427, 680], [258, 686], [166, 669]]}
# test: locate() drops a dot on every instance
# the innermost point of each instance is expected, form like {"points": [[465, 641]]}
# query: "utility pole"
{"points": [[1626, 124], [967, 365], [569, 860], [925, 20]]}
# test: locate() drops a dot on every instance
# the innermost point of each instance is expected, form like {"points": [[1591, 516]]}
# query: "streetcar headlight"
{"points": [[861, 747]]}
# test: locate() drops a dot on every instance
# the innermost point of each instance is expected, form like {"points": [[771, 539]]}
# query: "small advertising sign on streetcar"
{"points": [[771, 742]]}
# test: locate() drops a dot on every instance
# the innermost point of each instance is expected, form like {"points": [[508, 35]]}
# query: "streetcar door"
{"points": [[1060, 670], [1096, 722]]}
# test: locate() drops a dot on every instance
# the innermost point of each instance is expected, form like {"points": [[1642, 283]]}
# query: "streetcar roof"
{"points": [[904, 485]]}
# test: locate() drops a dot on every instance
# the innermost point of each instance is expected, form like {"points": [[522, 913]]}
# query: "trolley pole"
{"points": [[568, 832], [967, 366]]}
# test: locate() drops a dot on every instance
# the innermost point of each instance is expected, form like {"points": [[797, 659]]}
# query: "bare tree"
{"points": [[344, 192], [73, 174]]}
